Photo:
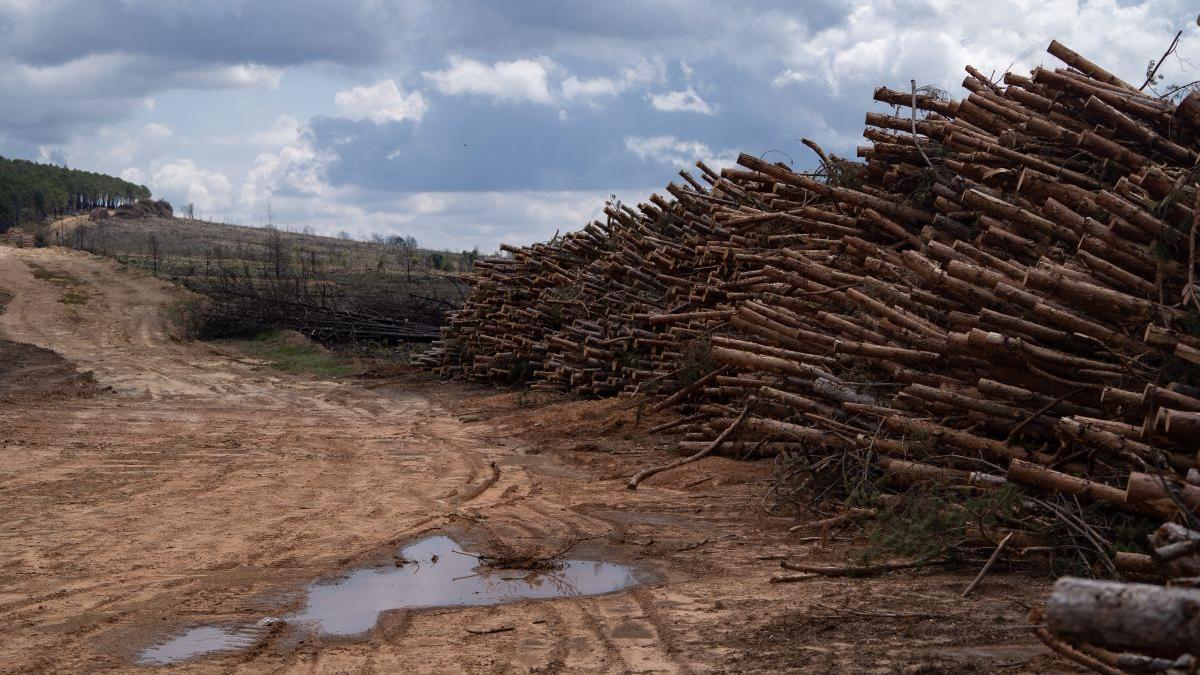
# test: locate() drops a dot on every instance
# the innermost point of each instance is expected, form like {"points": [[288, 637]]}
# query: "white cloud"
{"points": [[381, 103], [644, 72], [47, 103], [51, 155], [113, 72], [133, 175], [884, 43], [293, 167], [181, 181], [680, 101], [573, 87], [448, 220], [240, 76], [523, 80], [157, 131], [283, 131], [677, 152]]}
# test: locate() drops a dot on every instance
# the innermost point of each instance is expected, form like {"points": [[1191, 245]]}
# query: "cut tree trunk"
{"points": [[1150, 619]]}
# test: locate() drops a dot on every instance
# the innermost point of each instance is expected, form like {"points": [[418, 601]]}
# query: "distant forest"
{"points": [[30, 191]]}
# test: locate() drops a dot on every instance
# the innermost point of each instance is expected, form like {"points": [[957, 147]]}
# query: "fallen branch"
{"points": [[712, 447], [988, 565], [489, 631], [788, 578], [859, 570], [1066, 650]]}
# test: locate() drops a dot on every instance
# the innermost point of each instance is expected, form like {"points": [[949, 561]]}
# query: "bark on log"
{"points": [[1155, 620]]}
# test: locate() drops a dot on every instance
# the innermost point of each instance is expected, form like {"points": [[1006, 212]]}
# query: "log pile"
{"points": [[19, 238], [1001, 295], [1150, 625], [613, 308]]}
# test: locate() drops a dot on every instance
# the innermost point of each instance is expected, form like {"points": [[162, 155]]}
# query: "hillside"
{"points": [[331, 289], [29, 192], [186, 238]]}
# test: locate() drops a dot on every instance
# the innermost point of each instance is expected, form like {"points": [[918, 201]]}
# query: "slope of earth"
{"points": [[33, 373], [199, 487]]}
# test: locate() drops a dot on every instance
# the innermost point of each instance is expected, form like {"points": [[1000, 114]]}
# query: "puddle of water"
{"points": [[195, 642], [438, 576]]}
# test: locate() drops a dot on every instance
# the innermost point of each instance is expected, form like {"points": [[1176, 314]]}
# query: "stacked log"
{"points": [[19, 238], [1135, 626], [616, 308], [1002, 294], [1021, 291]]}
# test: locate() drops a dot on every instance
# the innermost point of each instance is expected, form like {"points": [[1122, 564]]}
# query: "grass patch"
{"points": [[290, 352], [53, 276], [74, 298], [75, 291]]}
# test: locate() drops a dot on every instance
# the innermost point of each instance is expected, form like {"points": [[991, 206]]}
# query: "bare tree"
{"points": [[154, 252]]}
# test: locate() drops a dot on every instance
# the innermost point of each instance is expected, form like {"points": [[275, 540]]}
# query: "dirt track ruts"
{"points": [[204, 487]]}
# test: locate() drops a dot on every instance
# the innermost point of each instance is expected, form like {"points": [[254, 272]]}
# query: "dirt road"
{"points": [[200, 487]]}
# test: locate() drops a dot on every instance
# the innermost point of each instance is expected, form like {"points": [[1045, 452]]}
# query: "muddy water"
{"points": [[439, 573], [197, 642]]}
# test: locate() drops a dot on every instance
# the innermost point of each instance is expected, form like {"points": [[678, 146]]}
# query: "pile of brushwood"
{"points": [[328, 305], [142, 208], [996, 312]]}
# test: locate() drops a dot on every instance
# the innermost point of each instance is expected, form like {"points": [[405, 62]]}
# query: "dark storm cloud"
{"points": [[221, 31]]}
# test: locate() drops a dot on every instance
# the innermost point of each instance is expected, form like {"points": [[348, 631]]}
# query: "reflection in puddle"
{"points": [[440, 577], [196, 642], [437, 576]]}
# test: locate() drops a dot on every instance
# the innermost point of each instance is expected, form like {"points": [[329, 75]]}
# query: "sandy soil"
{"points": [[197, 486]]}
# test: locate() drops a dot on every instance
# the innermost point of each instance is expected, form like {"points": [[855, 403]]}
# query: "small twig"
{"points": [[1189, 292], [987, 566], [917, 141], [1150, 76], [684, 392], [1041, 411], [835, 289], [1178, 89], [786, 578], [666, 426], [709, 449], [812, 145], [1064, 649], [489, 631], [858, 570]]}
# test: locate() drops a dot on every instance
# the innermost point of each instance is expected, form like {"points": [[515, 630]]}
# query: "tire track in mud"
{"points": [[201, 483], [207, 490]]}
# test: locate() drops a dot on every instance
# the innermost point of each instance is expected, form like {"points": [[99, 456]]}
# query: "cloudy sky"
{"points": [[466, 123]]}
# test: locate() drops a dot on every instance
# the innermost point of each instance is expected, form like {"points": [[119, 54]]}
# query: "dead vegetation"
{"points": [[334, 290], [526, 557]]}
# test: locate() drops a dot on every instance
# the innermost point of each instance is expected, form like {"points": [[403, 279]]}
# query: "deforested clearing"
{"points": [[932, 409]]}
